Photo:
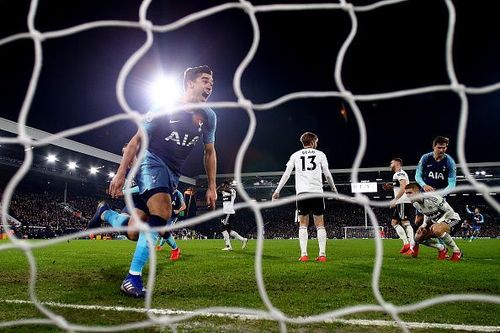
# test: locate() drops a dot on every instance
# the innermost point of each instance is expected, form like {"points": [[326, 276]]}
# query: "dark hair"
{"points": [[308, 138], [191, 73], [414, 186], [397, 159], [440, 140]]}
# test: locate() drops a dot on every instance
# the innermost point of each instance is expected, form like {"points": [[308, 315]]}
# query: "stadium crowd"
{"points": [[46, 215]]}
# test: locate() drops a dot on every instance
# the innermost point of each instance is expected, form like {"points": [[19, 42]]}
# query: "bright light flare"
{"points": [[51, 158], [72, 165], [165, 91], [93, 170], [111, 174]]}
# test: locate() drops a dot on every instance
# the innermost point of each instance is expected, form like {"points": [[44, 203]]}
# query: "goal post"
{"points": [[362, 231]]}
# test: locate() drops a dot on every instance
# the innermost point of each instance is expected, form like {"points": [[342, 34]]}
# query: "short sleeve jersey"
{"points": [[308, 164], [173, 136], [436, 173], [228, 198], [396, 178]]}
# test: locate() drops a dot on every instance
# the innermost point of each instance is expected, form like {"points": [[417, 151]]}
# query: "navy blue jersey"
{"points": [[438, 174], [177, 201], [478, 218], [173, 136]]}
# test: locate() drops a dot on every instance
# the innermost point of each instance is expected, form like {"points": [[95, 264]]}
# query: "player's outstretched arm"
{"points": [[116, 185], [210, 160]]}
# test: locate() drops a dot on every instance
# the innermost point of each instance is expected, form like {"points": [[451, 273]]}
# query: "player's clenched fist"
{"points": [[116, 186]]}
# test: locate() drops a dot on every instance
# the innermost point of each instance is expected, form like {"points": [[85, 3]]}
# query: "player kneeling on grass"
{"points": [[439, 218]]}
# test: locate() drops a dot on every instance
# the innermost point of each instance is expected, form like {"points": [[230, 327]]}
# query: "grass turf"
{"points": [[90, 272]]}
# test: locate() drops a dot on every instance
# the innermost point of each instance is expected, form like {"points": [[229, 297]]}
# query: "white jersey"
{"points": [[434, 207], [397, 177], [228, 198], [309, 165]]}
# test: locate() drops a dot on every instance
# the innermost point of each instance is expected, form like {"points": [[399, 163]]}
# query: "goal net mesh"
{"points": [[350, 98], [363, 232]]}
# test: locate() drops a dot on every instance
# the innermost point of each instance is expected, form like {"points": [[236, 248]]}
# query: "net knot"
{"points": [[247, 5], [348, 96], [389, 307], [457, 87], [37, 35], [247, 104], [346, 6], [277, 314], [146, 25]]}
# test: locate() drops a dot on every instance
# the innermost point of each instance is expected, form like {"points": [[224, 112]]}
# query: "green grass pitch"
{"points": [[90, 272]]}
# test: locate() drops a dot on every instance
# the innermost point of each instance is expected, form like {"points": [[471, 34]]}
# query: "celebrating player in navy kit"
{"points": [[309, 163], [478, 219], [171, 139]]}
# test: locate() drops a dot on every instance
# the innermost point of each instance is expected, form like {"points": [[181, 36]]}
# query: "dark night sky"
{"points": [[397, 47]]}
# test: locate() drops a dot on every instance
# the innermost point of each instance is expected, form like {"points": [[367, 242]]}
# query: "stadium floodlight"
{"points": [[111, 174], [51, 158], [164, 91], [72, 165], [483, 173], [93, 170]]}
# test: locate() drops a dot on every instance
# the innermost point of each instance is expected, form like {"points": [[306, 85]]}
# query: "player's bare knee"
{"points": [[440, 229], [133, 235]]}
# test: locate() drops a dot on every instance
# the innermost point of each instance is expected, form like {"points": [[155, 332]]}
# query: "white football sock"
{"points": [[401, 233], [303, 236], [450, 242], [225, 234], [322, 241], [410, 234], [236, 235]]}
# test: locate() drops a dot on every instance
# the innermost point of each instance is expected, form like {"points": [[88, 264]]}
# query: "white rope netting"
{"points": [[242, 102]]}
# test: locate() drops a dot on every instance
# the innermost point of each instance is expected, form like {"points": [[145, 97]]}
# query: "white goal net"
{"points": [[363, 232], [351, 98]]}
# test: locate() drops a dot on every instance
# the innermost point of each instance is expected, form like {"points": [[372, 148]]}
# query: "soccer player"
{"points": [[439, 219], [437, 170], [172, 137], [401, 205], [309, 164], [466, 229], [478, 219], [228, 197], [178, 205]]}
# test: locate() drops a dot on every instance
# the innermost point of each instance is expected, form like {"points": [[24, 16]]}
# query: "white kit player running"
{"points": [[228, 197], [309, 164], [402, 206]]}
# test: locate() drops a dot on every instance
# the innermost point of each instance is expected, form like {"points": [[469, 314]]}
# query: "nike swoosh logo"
{"points": [[174, 121]]}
